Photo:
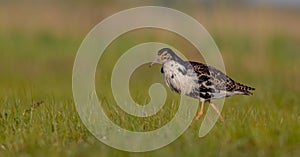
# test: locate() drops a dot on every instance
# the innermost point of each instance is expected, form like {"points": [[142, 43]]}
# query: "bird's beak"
{"points": [[157, 60]]}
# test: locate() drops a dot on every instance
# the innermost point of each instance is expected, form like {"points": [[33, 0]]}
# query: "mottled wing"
{"points": [[210, 76], [213, 83], [225, 84]]}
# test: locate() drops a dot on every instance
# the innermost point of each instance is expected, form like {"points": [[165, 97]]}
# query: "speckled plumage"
{"points": [[197, 80], [208, 82]]}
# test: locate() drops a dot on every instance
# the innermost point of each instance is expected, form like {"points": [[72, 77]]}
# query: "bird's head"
{"points": [[164, 55]]}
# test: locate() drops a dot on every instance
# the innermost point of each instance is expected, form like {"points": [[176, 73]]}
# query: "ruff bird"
{"points": [[197, 80]]}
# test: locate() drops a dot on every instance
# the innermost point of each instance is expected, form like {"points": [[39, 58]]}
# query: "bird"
{"points": [[198, 80]]}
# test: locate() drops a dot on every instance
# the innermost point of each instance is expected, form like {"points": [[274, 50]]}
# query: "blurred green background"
{"points": [[259, 41]]}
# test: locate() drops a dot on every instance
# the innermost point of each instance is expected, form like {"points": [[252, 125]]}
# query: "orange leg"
{"points": [[200, 113], [218, 112]]}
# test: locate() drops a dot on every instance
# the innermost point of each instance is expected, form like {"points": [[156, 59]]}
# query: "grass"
{"points": [[36, 65]]}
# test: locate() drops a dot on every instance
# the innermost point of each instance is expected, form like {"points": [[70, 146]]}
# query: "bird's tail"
{"points": [[244, 89]]}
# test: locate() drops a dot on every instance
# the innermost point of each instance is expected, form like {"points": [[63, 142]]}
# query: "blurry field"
{"points": [[38, 44]]}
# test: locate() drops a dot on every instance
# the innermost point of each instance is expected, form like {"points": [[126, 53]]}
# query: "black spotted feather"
{"points": [[213, 81], [197, 80]]}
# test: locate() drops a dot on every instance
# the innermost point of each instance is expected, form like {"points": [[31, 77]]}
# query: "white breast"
{"points": [[176, 76]]}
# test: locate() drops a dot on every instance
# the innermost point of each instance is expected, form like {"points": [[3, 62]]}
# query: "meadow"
{"points": [[38, 45]]}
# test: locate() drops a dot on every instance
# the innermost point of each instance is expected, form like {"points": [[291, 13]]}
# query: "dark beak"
{"points": [[157, 60]]}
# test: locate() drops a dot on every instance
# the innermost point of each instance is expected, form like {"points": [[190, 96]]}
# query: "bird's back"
{"points": [[213, 83]]}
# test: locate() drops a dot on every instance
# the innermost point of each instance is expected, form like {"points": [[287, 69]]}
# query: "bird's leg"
{"points": [[200, 113], [218, 112]]}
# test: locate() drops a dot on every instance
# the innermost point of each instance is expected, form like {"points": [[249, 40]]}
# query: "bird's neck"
{"points": [[178, 60], [174, 63]]}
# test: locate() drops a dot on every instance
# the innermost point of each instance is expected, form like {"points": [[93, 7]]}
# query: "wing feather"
{"points": [[215, 80]]}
